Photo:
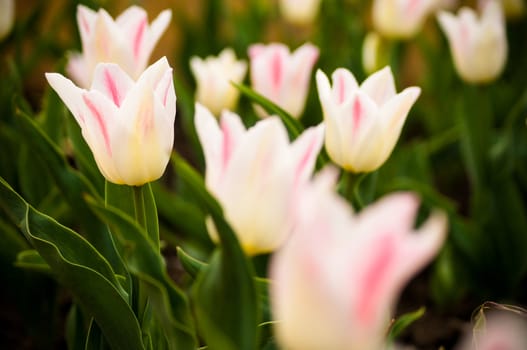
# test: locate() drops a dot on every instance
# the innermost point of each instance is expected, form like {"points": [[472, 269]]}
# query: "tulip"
{"points": [[7, 17], [500, 330], [336, 281], [374, 52], [127, 41], [129, 126], [299, 11], [282, 77], [478, 46], [401, 19], [214, 76], [255, 174], [363, 122]]}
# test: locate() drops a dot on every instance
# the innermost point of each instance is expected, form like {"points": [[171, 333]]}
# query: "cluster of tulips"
{"points": [[336, 269]]}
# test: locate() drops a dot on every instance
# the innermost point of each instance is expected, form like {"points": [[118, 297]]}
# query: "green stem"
{"points": [[350, 188], [139, 206]]}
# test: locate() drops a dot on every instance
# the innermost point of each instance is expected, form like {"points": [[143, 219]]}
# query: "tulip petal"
{"points": [[380, 86], [70, 94], [86, 19], [305, 150], [111, 81], [76, 69]]}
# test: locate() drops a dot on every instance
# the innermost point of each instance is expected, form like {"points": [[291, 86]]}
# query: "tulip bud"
{"points": [[214, 76], [255, 175], [478, 46], [281, 76], [400, 19], [7, 17], [128, 41], [363, 122], [128, 125], [336, 281], [375, 53], [299, 11]]}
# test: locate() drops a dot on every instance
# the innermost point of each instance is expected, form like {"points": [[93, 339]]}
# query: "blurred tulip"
{"points": [[336, 281], [498, 330], [478, 46], [255, 174], [363, 122], [129, 126], [214, 76], [401, 19], [374, 53], [127, 41], [7, 17], [299, 11], [281, 76], [513, 9]]}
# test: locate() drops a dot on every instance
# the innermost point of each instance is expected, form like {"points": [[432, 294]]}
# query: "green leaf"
{"points": [[191, 265], [294, 127], [95, 339], [144, 260], [80, 267], [75, 329], [31, 259], [403, 322], [225, 294], [73, 186]]}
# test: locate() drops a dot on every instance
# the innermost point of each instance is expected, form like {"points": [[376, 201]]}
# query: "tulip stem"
{"points": [[350, 185], [139, 206]]}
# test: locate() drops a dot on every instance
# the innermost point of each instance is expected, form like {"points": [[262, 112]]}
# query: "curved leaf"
{"points": [[80, 267]]}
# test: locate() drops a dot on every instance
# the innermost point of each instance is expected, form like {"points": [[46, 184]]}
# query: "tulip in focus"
{"points": [[7, 17], [401, 19], [214, 76], [127, 41], [281, 76], [128, 125], [336, 281], [363, 122], [255, 174], [478, 46], [299, 11]]}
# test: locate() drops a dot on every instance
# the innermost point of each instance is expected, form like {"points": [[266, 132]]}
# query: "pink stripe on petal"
{"points": [[305, 159], [341, 88], [375, 274], [100, 121], [276, 69], [227, 143], [357, 113], [138, 37], [112, 87]]}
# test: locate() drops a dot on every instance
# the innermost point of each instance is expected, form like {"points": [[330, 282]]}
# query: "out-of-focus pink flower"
{"points": [[336, 281], [363, 122], [128, 41], [499, 330], [401, 19], [478, 46], [281, 76], [214, 76], [255, 174], [299, 11], [128, 125]]}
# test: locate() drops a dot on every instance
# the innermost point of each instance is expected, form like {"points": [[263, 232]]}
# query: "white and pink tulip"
{"points": [[300, 12], [127, 41], [336, 281], [401, 19], [255, 174], [214, 77], [281, 76], [478, 45], [363, 123], [128, 125]]}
